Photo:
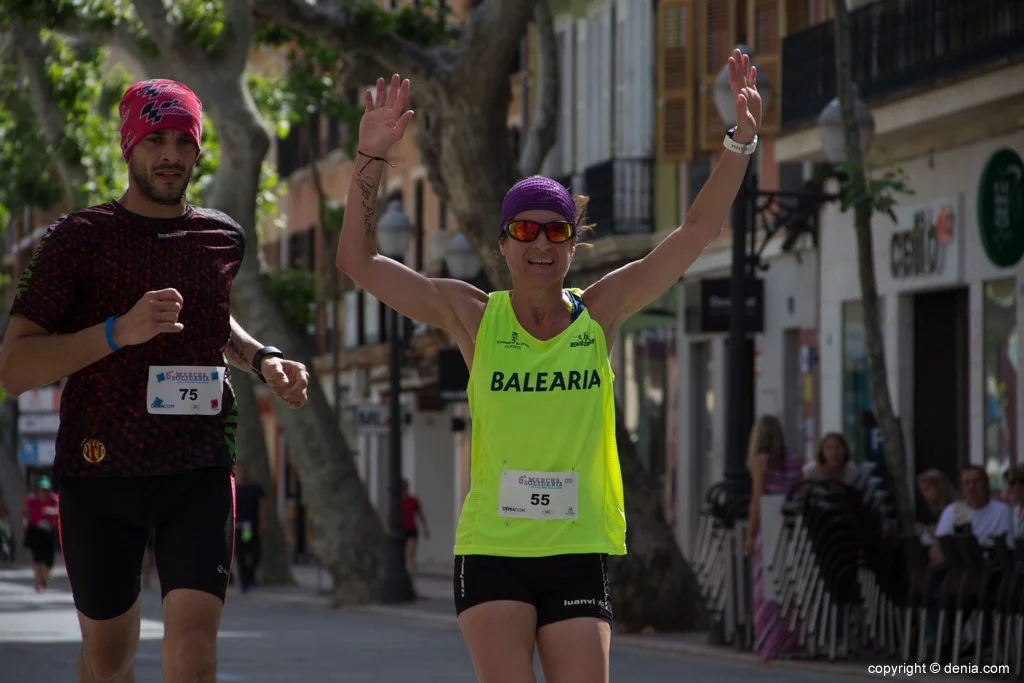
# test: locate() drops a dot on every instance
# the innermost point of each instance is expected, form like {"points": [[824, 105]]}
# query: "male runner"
{"points": [[130, 301]]}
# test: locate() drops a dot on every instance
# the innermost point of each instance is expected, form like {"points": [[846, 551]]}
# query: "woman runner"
{"points": [[545, 507]]}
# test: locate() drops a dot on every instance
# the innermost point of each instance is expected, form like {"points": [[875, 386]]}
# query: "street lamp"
{"points": [[741, 358], [461, 258], [833, 137], [394, 231]]}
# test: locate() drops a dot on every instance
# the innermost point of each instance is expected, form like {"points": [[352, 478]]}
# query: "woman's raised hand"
{"points": [[386, 117]]}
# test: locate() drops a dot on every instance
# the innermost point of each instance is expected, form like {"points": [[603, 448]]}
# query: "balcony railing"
{"points": [[899, 46], [621, 195]]}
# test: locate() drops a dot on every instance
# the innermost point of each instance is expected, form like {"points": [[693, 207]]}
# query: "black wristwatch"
{"points": [[257, 360]]}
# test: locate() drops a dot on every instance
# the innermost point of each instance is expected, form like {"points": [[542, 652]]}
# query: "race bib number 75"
{"points": [[185, 390]]}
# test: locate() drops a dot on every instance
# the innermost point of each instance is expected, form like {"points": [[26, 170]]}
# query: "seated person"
{"points": [[1015, 499], [937, 492], [832, 461], [987, 517]]}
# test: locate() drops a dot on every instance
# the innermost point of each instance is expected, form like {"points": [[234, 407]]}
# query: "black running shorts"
{"points": [[105, 523], [42, 545], [560, 587]]}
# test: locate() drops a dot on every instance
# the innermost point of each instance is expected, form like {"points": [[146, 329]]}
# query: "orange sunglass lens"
{"points": [[527, 231]]}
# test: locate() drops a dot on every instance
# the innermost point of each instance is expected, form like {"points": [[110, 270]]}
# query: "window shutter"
{"points": [[766, 41], [643, 78], [717, 30], [581, 157], [796, 15], [566, 102], [623, 83], [676, 68], [606, 59]]}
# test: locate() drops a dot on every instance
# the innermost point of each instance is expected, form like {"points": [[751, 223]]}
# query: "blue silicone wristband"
{"points": [[110, 334]]}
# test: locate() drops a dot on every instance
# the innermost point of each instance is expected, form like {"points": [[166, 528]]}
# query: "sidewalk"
{"points": [[436, 605]]}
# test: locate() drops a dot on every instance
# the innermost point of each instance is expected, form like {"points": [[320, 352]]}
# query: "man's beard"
{"points": [[170, 196]]}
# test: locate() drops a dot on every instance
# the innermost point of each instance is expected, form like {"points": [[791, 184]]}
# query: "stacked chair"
{"points": [[842, 581], [986, 583], [722, 570], [851, 587]]}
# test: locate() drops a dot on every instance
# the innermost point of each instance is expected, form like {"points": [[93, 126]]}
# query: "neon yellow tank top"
{"points": [[545, 476]]}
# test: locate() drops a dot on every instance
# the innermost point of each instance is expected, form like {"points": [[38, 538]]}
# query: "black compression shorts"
{"points": [[104, 527], [559, 587]]}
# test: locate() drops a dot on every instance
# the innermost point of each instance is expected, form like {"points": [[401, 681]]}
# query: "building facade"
{"points": [[694, 39], [944, 88]]}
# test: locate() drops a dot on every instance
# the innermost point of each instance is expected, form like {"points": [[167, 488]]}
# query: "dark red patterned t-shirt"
{"points": [[98, 262]]}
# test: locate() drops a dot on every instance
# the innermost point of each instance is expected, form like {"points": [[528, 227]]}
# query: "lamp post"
{"points": [[460, 258], [833, 137], [741, 358], [394, 231], [780, 209]]}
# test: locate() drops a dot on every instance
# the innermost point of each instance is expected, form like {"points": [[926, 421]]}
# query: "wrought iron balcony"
{"points": [[621, 195], [899, 46]]}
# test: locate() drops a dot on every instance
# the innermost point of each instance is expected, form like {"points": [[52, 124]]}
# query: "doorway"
{"points": [[941, 382]]}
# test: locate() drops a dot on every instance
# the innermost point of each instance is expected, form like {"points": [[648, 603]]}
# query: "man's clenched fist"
{"points": [[155, 313]]}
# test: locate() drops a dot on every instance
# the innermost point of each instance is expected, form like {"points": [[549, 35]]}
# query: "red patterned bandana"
{"points": [[159, 104]]}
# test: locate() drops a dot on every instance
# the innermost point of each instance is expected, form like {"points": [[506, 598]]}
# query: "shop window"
{"points": [[859, 423], [999, 373]]}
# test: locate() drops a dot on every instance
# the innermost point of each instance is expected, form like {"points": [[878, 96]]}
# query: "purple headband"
{"points": [[537, 193]]}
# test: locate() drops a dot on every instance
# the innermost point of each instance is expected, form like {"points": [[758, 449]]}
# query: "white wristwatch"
{"points": [[738, 147]]}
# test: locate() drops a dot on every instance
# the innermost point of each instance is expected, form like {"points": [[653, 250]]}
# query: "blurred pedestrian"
{"points": [[773, 470], [412, 517], [40, 520], [250, 524]]}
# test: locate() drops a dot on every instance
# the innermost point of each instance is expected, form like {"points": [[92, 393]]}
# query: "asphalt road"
{"points": [[265, 640]]}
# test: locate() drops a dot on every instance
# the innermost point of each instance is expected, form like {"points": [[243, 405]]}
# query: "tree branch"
{"points": [[30, 56], [153, 16], [235, 41], [544, 123], [428, 141], [347, 30], [121, 37], [494, 31]]}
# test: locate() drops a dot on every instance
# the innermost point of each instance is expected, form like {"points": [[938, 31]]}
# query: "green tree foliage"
{"points": [[87, 96], [295, 290]]}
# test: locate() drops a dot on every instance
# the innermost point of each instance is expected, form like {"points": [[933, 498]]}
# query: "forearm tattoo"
{"points": [[236, 355], [368, 191]]}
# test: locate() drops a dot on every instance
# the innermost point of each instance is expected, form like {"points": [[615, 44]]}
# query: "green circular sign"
{"points": [[1001, 208]]}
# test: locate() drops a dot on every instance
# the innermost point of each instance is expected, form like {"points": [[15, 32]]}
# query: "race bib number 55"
{"points": [[185, 390], [538, 495]]}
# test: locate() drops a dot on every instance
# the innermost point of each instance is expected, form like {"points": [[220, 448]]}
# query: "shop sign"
{"points": [[1001, 208], [922, 249]]}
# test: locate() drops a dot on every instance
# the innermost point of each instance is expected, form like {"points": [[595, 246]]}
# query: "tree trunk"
{"points": [[12, 479], [274, 569], [652, 585], [351, 539], [892, 434]]}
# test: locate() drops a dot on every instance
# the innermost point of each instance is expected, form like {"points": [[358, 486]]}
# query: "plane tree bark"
{"points": [[866, 197]]}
